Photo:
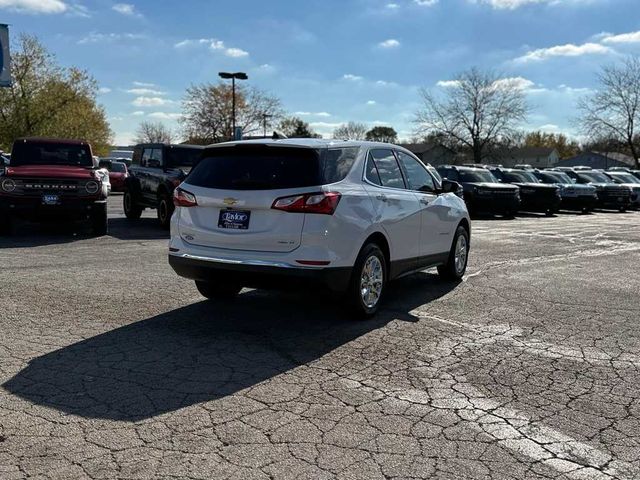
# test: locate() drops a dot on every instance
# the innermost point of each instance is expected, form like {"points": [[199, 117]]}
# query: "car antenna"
{"points": [[277, 135]]}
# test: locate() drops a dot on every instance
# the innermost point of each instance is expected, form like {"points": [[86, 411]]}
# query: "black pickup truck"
{"points": [[534, 195], [156, 170]]}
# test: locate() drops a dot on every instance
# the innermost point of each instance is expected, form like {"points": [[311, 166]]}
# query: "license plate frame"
{"points": [[50, 199], [231, 219]]}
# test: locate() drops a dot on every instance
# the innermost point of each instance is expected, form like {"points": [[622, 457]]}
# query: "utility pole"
{"points": [[265, 116], [233, 77]]}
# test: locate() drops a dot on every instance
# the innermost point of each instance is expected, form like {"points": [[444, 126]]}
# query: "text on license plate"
{"points": [[50, 199], [234, 219]]}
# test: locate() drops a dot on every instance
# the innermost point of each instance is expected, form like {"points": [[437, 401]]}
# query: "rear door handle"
{"points": [[382, 197]]}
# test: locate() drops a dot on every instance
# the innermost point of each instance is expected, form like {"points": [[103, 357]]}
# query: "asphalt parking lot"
{"points": [[112, 366]]}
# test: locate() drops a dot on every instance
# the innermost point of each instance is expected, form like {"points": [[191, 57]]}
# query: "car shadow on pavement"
{"points": [[203, 351], [141, 229]]}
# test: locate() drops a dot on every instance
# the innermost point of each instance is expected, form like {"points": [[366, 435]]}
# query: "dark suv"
{"points": [[574, 196], [482, 192], [610, 194], [54, 180], [156, 170], [534, 195]]}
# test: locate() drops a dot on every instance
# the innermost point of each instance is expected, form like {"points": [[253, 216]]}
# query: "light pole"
{"points": [[265, 116], [233, 77]]}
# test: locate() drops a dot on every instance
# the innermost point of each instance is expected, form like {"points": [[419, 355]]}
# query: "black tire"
{"points": [[622, 209], [509, 214], [549, 213], [99, 221], [131, 208], [5, 225], [165, 210], [449, 271], [218, 291], [354, 299]]}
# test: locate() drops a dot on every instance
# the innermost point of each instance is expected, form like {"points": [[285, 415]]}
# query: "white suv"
{"points": [[347, 215]]}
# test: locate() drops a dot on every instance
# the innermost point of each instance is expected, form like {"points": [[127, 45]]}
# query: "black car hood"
{"points": [[492, 186], [539, 186]]}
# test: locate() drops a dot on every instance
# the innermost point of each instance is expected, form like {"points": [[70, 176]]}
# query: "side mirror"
{"points": [[449, 186]]}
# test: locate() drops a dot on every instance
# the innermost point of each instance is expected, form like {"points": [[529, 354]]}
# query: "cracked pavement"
{"points": [[111, 366]]}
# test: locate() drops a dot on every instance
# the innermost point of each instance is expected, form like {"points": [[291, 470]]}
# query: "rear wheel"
{"points": [[131, 209], [218, 291], [165, 210], [622, 209], [367, 281], [456, 264], [99, 221]]}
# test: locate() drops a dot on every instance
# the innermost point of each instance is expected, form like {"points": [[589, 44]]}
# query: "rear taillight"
{"points": [[323, 202], [182, 198]]}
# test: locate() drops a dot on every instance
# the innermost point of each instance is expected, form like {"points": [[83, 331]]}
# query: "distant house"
{"points": [[433, 153], [598, 160], [537, 157]]}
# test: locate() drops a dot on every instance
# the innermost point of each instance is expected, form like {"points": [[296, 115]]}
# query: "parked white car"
{"points": [[348, 215]]}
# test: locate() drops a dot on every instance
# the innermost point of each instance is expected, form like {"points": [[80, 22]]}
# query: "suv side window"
{"points": [[418, 178], [388, 168], [146, 157], [156, 158]]}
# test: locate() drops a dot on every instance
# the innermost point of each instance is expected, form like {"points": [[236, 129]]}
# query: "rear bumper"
{"points": [[539, 203], [32, 208], [258, 274]]}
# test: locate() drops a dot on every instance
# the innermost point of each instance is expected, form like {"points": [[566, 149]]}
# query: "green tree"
{"points": [[382, 134], [565, 147], [48, 100], [294, 127], [208, 111]]}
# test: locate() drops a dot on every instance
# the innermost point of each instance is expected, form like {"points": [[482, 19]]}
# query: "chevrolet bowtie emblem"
{"points": [[230, 201]]}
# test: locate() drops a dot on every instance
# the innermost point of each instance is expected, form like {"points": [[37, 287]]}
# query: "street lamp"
{"points": [[233, 77]]}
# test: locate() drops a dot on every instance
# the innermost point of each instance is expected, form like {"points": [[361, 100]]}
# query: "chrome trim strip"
{"points": [[233, 261]]}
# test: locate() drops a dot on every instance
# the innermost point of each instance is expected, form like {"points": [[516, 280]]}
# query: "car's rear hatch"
{"points": [[235, 188]]}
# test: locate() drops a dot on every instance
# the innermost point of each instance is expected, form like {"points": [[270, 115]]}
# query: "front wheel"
{"points": [[99, 221], [131, 209], [367, 281], [622, 209], [456, 264], [218, 291]]}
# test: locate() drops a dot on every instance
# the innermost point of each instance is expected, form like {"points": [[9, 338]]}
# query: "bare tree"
{"points": [[351, 131], [208, 111], [153, 132], [477, 110], [613, 111]]}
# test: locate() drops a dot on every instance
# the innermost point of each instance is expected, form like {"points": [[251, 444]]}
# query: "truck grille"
{"points": [[36, 186]]}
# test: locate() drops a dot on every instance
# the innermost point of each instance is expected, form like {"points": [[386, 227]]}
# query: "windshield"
{"points": [[484, 176], [118, 167], [50, 153], [515, 176], [624, 177], [271, 168], [554, 177], [593, 177], [183, 156]]}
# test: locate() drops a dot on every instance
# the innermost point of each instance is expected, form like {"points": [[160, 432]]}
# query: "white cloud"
{"points": [[425, 3], [390, 43], [448, 83], [513, 4], [352, 77], [236, 52], [313, 114], [126, 9], [214, 45], [35, 6], [631, 37], [108, 37], [150, 102], [568, 50], [165, 115], [392, 6], [144, 84], [371, 102], [549, 127], [137, 113], [104, 90], [384, 83], [145, 91], [517, 82]]}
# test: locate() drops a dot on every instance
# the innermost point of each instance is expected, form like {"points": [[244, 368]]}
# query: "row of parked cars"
{"points": [[348, 216], [504, 191]]}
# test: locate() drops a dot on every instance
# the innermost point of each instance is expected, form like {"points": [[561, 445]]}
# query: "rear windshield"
{"points": [[622, 177], [183, 156], [271, 168], [50, 153], [117, 167]]}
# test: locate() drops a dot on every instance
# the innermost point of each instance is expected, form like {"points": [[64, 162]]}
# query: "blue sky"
{"points": [[331, 61]]}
